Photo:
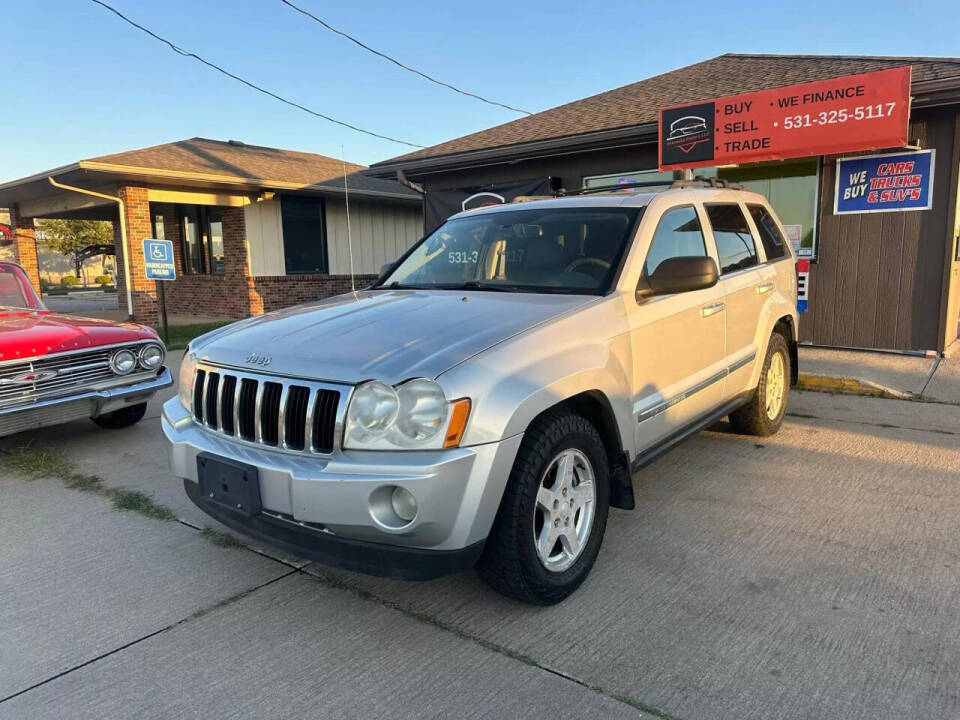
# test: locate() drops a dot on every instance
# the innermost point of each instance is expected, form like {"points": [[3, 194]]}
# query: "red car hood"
{"points": [[27, 333]]}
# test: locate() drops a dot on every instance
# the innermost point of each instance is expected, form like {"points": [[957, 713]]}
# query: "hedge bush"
{"points": [[69, 281]]}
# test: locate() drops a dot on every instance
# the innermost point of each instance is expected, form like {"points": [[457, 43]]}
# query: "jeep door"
{"points": [[677, 340], [746, 282]]}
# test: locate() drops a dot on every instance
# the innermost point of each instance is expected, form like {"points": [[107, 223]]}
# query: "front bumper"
{"points": [[326, 508], [85, 404]]}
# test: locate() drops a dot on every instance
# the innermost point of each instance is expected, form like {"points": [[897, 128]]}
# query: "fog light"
{"points": [[404, 504]]}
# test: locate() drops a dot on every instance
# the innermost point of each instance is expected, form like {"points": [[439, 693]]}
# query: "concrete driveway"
{"points": [[808, 575]]}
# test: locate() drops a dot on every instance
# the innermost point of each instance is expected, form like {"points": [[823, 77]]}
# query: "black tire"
{"points": [[124, 417], [752, 418], [510, 563]]}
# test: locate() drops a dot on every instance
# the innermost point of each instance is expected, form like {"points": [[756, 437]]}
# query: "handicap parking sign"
{"points": [[158, 259]]}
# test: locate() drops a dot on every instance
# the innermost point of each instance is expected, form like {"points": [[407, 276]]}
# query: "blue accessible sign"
{"points": [[884, 183], [158, 259]]}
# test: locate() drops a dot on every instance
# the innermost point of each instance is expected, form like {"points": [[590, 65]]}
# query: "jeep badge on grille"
{"points": [[258, 359]]}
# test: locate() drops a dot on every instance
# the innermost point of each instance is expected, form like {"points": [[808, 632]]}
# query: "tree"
{"points": [[71, 236]]}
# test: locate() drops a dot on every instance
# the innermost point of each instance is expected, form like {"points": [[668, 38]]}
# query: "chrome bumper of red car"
{"points": [[54, 411]]}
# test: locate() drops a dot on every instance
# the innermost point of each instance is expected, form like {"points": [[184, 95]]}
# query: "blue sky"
{"points": [[78, 82]]}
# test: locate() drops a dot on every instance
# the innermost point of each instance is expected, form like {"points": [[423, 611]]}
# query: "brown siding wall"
{"points": [[878, 279]]}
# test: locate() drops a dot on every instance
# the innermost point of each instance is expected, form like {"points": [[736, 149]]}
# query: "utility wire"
{"points": [[187, 53], [386, 57]]}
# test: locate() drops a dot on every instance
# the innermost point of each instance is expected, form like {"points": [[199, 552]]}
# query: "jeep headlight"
{"points": [[188, 371], [412, 415]]}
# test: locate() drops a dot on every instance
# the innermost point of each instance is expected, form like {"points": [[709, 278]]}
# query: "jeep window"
{"points": [[568, 250], [735, 245], [677, 235], [773, 243]]}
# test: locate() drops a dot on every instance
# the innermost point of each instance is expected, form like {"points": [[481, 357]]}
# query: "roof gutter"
{"points": [[128, 280]]}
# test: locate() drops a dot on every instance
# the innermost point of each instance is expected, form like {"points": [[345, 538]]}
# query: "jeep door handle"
{"points": [[766, 287], [712, 309]]}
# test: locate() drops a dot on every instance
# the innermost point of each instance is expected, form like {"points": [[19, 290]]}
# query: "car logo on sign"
{"points": [[258, 359], [30, 377]]}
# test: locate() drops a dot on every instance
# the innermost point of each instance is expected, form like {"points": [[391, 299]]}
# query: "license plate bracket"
{"points": [[229, 484]]}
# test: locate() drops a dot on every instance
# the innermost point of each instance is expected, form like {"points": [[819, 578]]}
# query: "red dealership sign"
{"points": [[6, 235], [845, 114]]}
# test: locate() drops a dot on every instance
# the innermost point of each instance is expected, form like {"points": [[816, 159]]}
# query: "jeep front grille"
{"points": [[293, 415]]}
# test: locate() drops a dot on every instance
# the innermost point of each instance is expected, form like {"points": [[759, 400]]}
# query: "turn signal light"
{"points": [[459, 412]]}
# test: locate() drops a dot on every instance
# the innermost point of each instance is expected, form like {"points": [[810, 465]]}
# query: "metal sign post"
{"points": [[159, 265]]}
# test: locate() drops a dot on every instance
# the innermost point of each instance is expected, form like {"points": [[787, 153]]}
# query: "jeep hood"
{"points": [[385, 335]]}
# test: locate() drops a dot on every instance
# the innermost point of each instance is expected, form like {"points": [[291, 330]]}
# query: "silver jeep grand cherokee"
{"points": [[486, 401]]}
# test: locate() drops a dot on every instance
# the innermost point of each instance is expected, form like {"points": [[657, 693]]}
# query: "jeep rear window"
{"points": [[735, 244], [568, 250]]}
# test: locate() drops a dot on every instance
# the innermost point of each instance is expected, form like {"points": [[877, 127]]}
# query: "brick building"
{"points": [[253, 228]]}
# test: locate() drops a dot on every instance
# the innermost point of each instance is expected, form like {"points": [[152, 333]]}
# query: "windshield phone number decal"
{"points": [[846, 114]]}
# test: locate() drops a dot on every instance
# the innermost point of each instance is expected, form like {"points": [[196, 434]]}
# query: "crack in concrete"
{"points": [[198, 613], [368, 596]]}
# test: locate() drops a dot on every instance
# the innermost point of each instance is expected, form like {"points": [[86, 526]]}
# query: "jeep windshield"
{"points": [[543, 250]]}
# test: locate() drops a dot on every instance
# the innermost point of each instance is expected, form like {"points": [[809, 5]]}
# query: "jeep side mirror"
{"points": [[385, 268], [679, 274]]}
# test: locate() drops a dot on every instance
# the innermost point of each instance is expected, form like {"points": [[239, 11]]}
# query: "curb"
{"points": [[849, 386]]}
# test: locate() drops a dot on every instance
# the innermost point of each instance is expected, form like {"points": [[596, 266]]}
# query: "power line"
{"points": [[386, 57], [187, 53]]}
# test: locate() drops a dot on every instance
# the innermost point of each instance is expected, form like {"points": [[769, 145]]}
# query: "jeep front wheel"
{"points": [[553, 514]]}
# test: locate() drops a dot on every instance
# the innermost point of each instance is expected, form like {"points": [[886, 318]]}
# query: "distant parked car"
{"points": [[57, 368]]}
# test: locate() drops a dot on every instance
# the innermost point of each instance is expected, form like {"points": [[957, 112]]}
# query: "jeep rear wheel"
{"points": [[763, 414], [553, 514]]}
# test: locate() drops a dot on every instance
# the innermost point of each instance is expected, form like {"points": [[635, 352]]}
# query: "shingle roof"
{"points": [[638, 103], [254, 163]]}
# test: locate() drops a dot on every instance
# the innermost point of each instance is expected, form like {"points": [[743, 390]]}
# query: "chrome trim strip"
{"points": [[91, 349], [218, 415], [308, 425], [257, 410], [702, 385], [236, 408], [163, 380], [282, 417]]}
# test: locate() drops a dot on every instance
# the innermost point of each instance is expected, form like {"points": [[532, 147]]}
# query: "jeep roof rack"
{"points": [[699, 181]]}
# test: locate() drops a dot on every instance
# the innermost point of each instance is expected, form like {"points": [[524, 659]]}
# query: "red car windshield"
{"points": [[16, 290]]}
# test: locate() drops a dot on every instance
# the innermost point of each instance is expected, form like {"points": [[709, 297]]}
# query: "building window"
{"points": [[158, 231], [202, 241], [735, 244], [304, 235]]}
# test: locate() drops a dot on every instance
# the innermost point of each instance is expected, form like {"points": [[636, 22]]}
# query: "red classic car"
{"points": [[57, 368]]}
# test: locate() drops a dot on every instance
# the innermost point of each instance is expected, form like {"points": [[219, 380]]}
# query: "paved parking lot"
{"points": [[808, 575]]}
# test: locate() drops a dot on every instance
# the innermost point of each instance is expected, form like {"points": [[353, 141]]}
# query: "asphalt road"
{"points": [[808, 575], [81, 303]]}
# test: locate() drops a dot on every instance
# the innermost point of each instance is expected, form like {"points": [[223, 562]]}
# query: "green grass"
{"points": [[180, 335], [218, 537]]}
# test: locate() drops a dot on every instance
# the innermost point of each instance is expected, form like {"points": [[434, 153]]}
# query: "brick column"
{"points": [[25, 245], [137, 217]]}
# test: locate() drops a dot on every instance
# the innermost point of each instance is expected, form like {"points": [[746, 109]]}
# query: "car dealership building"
{"points": [[883, 280], [253, 228]]}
